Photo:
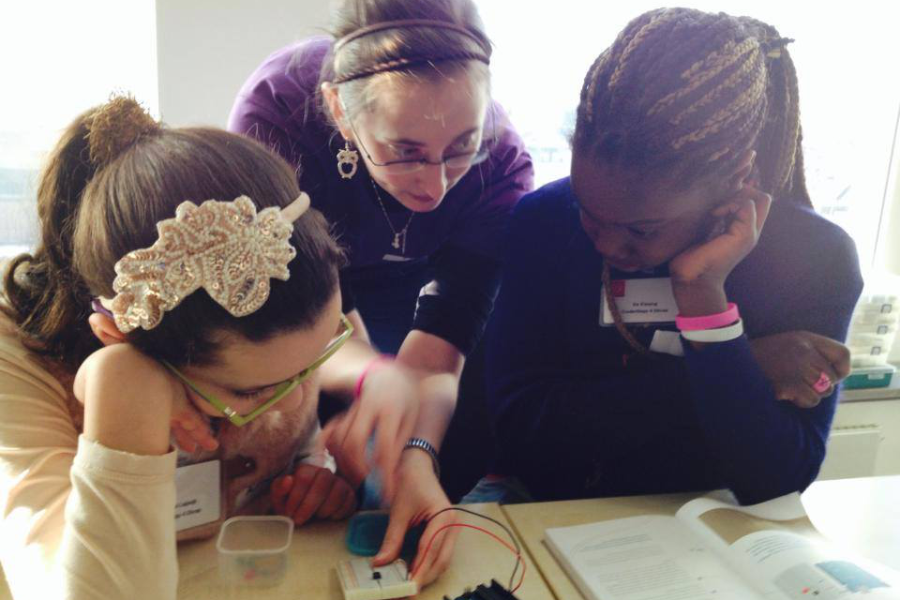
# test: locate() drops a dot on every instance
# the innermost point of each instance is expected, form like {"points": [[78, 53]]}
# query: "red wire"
{"points": [[482, 530]]}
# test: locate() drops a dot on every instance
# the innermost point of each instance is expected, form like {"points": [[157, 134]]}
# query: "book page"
{"points": [[775, 546], [644, 558]]}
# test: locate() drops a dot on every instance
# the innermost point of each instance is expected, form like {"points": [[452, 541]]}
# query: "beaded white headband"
{"points": [[225, 248]]}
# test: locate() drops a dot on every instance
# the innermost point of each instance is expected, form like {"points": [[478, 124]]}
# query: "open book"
{"points": [[717, 551]]}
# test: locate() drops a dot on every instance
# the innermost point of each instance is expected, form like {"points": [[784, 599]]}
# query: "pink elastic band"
{"points": [[383, 358], [823, 384], [722, 319]]}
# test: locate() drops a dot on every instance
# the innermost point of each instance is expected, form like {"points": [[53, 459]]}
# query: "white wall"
{"points": [[207, 48], [851, 452], [889, 254], [888, 258]]}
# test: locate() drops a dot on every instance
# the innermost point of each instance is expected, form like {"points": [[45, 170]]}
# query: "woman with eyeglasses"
{"points": [[393, 132], [176, 268]]}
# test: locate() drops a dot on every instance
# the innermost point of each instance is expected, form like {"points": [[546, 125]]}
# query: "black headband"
{"points": [[407, 63], [400, 63], [473, 34]]}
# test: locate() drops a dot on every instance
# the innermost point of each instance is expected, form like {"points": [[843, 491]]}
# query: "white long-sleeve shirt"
{"points": [[77, 520]]}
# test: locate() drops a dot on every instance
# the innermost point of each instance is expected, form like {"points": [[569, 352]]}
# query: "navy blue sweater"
{"points": [[573, 421]]}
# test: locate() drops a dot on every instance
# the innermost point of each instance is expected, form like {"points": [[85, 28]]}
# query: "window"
{"points": [[71, 56], [846, 57]]}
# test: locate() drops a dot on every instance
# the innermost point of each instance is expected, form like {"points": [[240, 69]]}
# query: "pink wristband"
{"points": [[383, 358], [723, 319]]}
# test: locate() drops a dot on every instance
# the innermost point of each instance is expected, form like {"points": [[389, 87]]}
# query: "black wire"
{"points": [[515, 542]]}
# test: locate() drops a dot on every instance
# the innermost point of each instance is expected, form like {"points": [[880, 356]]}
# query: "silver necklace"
{"points": [[399, 242]]}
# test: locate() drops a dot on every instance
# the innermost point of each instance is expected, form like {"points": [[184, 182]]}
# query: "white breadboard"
{"points": [[359, 581]]}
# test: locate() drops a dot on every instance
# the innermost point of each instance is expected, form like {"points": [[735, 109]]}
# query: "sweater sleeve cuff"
{"points": [[123, 466], [717, 351]]}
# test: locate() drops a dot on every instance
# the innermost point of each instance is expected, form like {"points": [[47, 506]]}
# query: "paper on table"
{"points": [[644, 558], [775, 545]]}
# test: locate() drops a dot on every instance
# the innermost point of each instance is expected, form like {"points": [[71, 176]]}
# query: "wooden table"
{"points": [[4, 589], [862, 514], [317, 548]]}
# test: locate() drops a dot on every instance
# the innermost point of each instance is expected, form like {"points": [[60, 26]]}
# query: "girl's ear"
{"points": [[336, 108], [742, 171], [105, 330]]}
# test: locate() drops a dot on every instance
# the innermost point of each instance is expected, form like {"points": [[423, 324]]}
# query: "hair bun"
{"points": [[116, 126]]}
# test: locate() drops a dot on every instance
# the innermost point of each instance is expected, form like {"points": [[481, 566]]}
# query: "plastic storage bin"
{"points": [[870, 349], [871, 377], [873, 329]]}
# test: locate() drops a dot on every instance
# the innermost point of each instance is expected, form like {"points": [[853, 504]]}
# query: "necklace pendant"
{"points": [[396, 243]]}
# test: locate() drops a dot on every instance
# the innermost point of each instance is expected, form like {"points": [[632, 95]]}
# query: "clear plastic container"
{"points": [[865, 320], [884, 330], [872, 340], [860, 360], [883, 304], [878, 310], [253, 551], [869, 350]]}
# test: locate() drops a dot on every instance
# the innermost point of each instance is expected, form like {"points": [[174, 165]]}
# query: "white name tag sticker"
{"points": [[641, 301], [396, 258], [198, 494]]}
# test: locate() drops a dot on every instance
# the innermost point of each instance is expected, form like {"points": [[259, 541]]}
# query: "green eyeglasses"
{"points": [[283, 388]]}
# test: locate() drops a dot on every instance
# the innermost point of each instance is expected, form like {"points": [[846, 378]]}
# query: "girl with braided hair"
{"points": [[391, 128], [687, 143]]}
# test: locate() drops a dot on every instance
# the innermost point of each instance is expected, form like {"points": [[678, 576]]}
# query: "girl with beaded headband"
{"points": [[179, 284], [391, 127], [687, 142]]}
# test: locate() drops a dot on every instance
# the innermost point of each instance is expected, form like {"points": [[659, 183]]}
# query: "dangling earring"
{"points": [[346, 161]]}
